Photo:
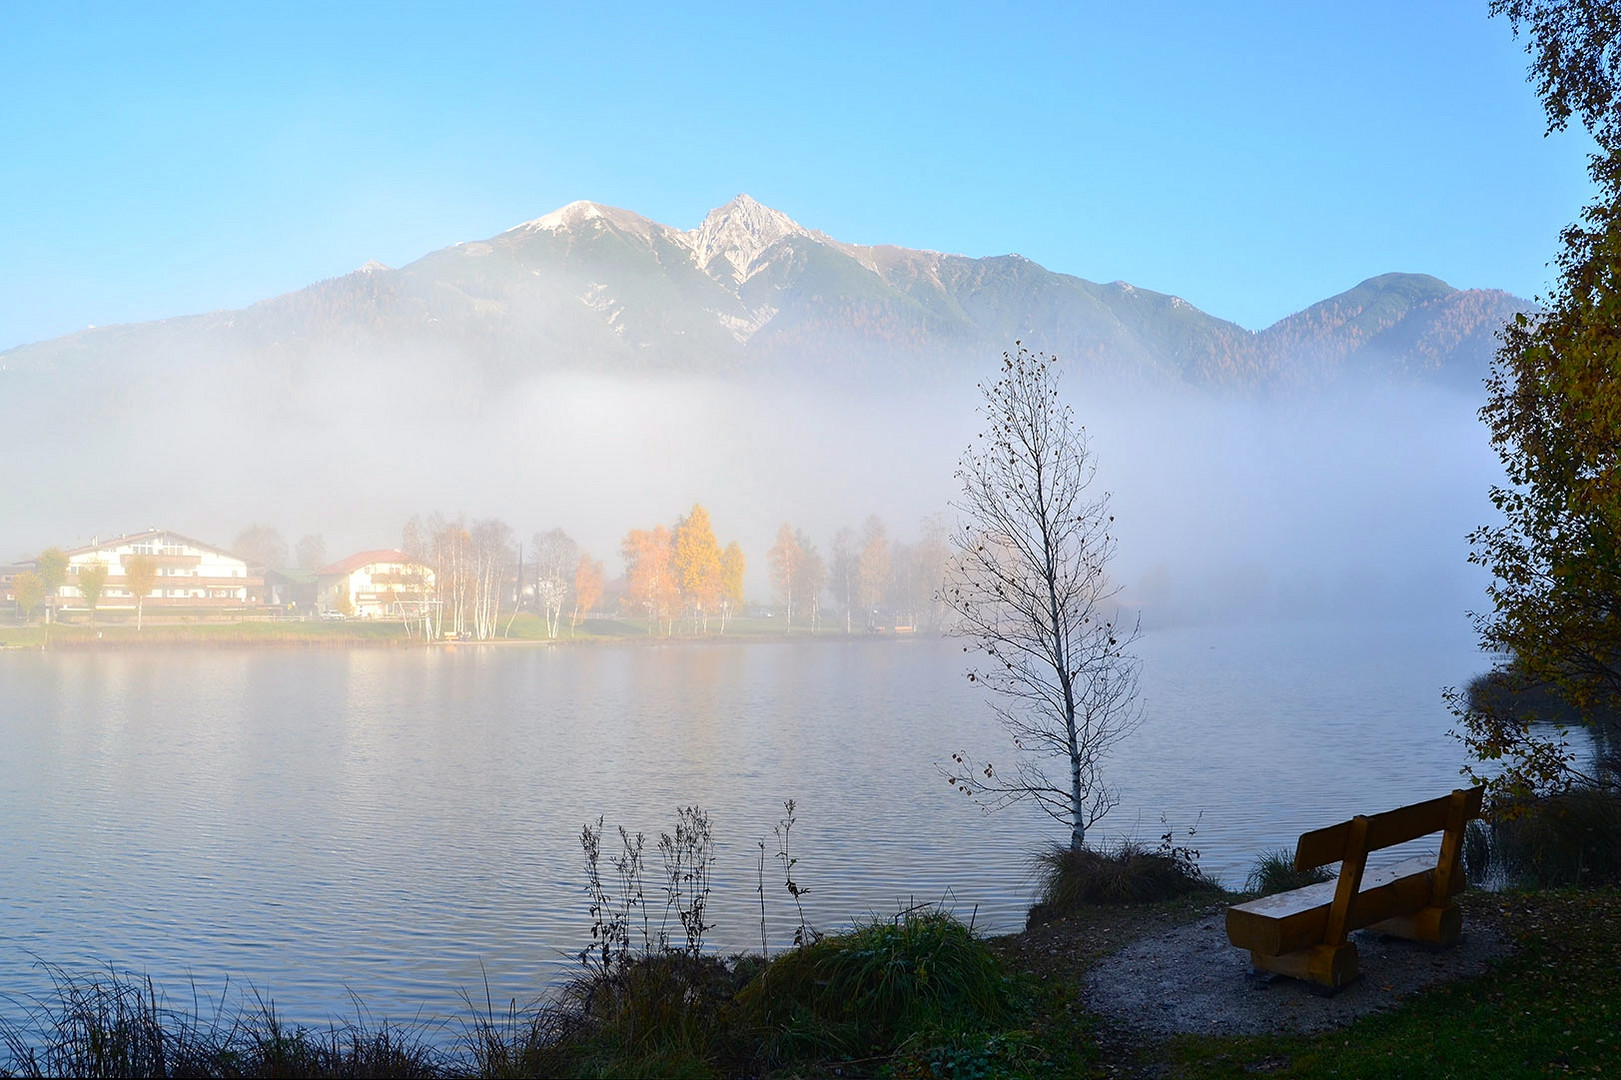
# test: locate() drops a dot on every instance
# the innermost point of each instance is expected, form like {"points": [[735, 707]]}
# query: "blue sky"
{"points": [[1251, 158]]}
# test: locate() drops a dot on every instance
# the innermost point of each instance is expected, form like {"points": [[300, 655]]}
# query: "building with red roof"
{"points": [[374, 585]]}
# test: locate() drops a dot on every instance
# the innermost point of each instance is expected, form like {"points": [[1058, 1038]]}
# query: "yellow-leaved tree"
{"points": [[29, 589], [731, 582], [140, 577], [697, 562], [52, 568], [92, 581]]}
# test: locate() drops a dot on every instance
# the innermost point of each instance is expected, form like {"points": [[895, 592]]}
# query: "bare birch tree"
{"points": [[810, 580], [492, 559], [471, 569], [872, 569], [557, 563], [786, 558], [450, 555], [845, 572], [1030, 588], [931, 558]]}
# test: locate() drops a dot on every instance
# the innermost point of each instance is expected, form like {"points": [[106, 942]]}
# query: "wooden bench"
{"points": [[1303, 933]]}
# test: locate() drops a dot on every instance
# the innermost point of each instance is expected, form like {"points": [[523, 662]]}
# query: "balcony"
{"points": [[167, 562]]}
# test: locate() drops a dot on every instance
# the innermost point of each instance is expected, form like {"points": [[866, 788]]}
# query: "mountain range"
{"points": [[750, 292]]}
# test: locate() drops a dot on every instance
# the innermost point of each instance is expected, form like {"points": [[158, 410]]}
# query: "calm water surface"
{"points": [[405, 824]]}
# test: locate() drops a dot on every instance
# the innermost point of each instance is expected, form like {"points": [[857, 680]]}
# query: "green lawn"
{"points": [[527, 626], [246, 631], [531, 627]]}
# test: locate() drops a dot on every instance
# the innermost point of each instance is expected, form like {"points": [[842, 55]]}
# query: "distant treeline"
{"points": [[679, 578]]}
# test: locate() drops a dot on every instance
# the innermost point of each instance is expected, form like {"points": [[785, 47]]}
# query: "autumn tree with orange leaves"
{"points": [[650, 583], [587, 587]]}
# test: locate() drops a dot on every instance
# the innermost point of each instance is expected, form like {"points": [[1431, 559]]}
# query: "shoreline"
{"points": [[263, 635], [1076, 1000]]}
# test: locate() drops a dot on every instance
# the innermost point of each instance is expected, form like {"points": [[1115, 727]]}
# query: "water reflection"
{"points": [[406, 822]]}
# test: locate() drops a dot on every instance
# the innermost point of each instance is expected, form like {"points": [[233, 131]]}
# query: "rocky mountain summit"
{"points": [[751, 292]]}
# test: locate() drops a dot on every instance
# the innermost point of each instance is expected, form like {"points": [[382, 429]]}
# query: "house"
{"points": [[291, 589], [374, 585], [7, 573], [190, 573]]}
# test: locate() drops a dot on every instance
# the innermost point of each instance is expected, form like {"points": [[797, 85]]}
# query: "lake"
{"points": [[404, 823]]}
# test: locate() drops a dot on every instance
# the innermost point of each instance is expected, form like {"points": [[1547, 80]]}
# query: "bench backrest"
{"points": [[1350, 841], [1328, 845]]}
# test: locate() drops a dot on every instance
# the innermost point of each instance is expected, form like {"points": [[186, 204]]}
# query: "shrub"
{"points": [[904, 982], [1274, 872], [1128, 873], [1570, 838]]}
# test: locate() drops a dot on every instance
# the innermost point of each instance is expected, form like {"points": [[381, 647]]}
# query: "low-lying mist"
{"points": [[1351, 501]]}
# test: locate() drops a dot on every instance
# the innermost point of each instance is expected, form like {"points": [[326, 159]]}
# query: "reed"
{"points": [[1569, 838], [110, 1024]]}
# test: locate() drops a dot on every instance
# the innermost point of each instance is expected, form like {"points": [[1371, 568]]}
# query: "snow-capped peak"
{"points": [[738, 232], [581, 217], [373, 267], [566, 217]]}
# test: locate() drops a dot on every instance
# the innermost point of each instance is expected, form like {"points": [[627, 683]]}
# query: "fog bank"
{"points": [[1351, 501]]}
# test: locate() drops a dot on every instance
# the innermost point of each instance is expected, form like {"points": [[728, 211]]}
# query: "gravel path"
{"points": [[1190, 980]]}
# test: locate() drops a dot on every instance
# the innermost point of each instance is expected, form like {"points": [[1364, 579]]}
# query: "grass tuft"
{"points": [[918, 979], [1128, 873], [659, 1014], [1274, 872]]}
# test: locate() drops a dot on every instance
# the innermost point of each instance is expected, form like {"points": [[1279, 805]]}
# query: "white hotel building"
{"points": [[191, 573]]}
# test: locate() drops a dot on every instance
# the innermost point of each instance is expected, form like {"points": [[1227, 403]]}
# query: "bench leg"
{"points": [[1326, 967], [1432, 925]]}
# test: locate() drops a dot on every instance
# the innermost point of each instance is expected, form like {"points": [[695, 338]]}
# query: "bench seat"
{"points": [[1290, 921]]}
